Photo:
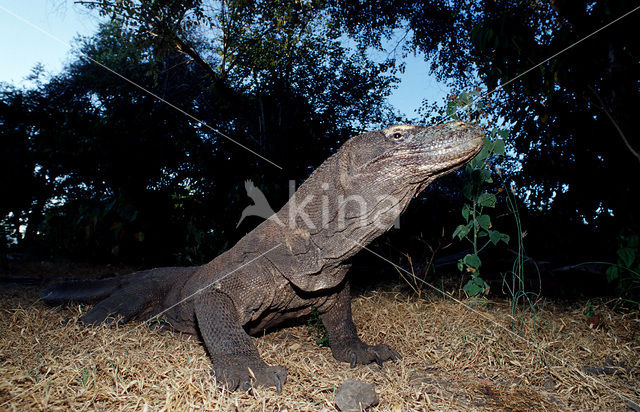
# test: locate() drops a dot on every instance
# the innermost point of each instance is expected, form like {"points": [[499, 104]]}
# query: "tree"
{"points": [[125, 173], [572, 117], [286, 55]]}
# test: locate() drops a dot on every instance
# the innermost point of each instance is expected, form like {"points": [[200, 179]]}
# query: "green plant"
{"points": [[158, 322], [478, 222], [477, 228], [316, 327], [37, 372], [626, 272], [87, 376], [522, 301], [589, 311], [417, 280]]}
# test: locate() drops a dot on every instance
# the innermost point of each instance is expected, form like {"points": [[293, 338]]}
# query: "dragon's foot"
{"points": [[242, 373], [359, 353]]}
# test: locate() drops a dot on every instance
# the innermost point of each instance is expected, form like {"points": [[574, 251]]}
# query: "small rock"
{"points": [[354, 395]]}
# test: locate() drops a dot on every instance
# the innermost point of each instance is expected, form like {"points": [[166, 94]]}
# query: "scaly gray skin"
{"points": [[292, 262]]}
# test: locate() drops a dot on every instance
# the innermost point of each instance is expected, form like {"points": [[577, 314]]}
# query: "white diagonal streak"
{"points": [[483, 95], [119, 337], [202, 289], [144, 89]]}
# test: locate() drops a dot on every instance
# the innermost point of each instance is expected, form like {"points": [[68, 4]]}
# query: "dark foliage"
{"points": [[105, 169], [572, 118], [95, 167]]}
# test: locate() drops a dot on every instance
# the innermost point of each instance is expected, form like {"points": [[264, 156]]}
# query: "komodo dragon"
{"points": [[292, 262]]}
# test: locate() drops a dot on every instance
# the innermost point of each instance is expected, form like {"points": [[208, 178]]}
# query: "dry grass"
{"points": [[453, 359]]}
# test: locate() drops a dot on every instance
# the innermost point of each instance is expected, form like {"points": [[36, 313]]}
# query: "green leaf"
{"points": [[504, 133], [485, 176], [488, 200], [484, 221], [627, 256], [465, 211], [460, 265], [468, 169], [460, 232], [498, 147], [472, 261], [467, 191], [475, 34], [495, 236], [478, 161], [612, 273], [465, 99], [451, 109], [475, 286]]}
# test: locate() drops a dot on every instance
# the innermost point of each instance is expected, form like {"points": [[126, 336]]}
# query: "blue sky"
{"points": [[23, 46]]}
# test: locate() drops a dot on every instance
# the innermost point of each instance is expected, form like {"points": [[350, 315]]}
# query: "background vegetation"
{"points": [[94, 168]]}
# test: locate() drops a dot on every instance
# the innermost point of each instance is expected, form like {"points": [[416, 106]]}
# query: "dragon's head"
{"points": [[398, 162], [417, 154]]}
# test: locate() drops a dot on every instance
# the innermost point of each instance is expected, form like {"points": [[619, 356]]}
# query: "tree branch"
{"points": [[615, 124], [189, 51]]}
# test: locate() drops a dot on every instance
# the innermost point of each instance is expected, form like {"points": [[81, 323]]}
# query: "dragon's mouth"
{"points": [[442, 156], [445, 158]]}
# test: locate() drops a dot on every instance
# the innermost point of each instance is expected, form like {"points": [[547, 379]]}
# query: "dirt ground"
{"points": [[454, 359]]}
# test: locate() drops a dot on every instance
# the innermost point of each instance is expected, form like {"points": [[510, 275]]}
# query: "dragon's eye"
{"points": [[397, 136]]}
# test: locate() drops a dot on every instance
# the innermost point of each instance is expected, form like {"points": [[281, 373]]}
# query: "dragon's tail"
{"points": [[126, 296], [81, 291]]}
